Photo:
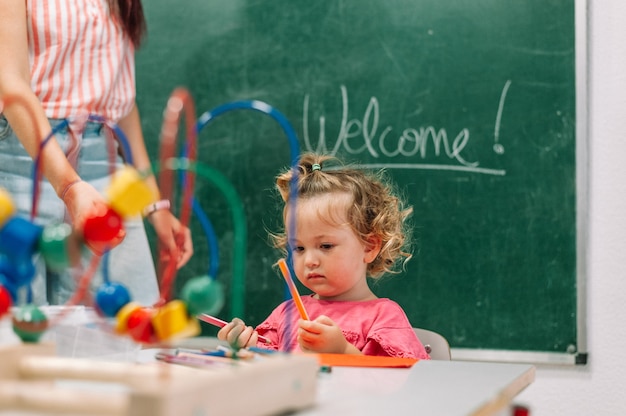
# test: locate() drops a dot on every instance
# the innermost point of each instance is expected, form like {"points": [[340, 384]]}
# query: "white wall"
{"points": [[599, 388]]}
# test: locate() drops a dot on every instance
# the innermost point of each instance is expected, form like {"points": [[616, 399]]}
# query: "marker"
{"points": [[215, 353], [221, 324], [282, 264], [193, 360]]}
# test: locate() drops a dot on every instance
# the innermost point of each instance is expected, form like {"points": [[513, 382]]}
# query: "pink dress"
{"points": [[376, 327]]}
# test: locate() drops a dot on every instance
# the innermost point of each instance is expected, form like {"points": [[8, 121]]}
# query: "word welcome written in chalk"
{"points": [[357, 136]]}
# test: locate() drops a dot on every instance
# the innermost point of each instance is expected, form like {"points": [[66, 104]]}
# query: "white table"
{"points": [[430, 388], [446, 388]]}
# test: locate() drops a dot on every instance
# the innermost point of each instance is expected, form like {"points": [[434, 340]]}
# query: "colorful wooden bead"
{"points": [[128, 194], [103, 229], [122, 315], [6, 300], [55, 245], [203, 294], [29, 323], [110, 298], [19, 238], [139, 325], [7, 207], [171, 320], [18, 272]]}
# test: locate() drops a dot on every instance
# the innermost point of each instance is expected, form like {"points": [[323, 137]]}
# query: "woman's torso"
{"points": [[81, 61]]}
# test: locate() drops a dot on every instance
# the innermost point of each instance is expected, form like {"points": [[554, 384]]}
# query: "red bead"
{"points": [[139, 325], [103, 229], [520, 410], [5, 300]]}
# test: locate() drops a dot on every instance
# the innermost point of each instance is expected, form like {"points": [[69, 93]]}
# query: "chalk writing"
{"points": [[357, 136], [497, 147]]}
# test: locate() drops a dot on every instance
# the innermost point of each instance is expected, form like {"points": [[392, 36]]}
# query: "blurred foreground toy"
{"points": [[33, 380]]}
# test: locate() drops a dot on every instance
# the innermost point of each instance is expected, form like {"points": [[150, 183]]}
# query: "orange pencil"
{"points": [[282, 264]]}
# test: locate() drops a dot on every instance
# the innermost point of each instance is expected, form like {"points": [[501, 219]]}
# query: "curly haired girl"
{"points": [[349, 226]]}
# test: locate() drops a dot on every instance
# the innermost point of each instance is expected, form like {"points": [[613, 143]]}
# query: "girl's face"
{"points": [[328, 257]]}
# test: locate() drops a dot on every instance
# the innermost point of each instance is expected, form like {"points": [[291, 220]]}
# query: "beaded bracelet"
{"points": [[156, 206]]}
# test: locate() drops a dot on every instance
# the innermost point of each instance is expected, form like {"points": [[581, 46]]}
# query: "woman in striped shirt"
{"points": [[65, 60]]}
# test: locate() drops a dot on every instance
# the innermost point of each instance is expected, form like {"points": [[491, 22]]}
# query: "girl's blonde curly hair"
{"points": [[375, 210]]}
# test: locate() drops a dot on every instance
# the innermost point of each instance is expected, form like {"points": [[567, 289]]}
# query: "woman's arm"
{"points": [[25, 114], [174, 237], [21, 107]]}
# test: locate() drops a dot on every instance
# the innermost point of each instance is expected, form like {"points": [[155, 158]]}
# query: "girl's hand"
{"points": [[323, 336], [175, 238], [236, 333]]}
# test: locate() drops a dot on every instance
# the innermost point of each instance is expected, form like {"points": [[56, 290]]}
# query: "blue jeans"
{"points": [[130, 263]]}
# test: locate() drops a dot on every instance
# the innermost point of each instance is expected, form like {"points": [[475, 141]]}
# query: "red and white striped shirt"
{"points": [[81, 60]]}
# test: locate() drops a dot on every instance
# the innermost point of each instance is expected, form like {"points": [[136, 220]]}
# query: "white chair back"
{"points": [[436, 344]]}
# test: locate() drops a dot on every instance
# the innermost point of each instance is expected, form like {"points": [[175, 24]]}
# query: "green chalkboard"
{"points": [[470, 105]]}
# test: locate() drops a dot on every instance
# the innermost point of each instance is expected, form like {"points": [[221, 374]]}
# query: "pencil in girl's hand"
{"points": [[282, 264], [220, 323]]}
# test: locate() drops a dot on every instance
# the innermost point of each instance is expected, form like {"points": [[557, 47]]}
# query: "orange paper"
{"points": [[354, 360]]}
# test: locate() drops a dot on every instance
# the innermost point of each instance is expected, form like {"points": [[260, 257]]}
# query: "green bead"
{"points": [[53, 245], [29, 323], [203, 295]]}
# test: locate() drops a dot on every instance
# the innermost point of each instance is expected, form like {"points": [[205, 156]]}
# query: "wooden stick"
{"points": [[42, 397], [50, 368]]}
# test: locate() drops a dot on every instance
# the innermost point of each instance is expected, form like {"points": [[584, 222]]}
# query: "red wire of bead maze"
{"points": [[179, 100]]}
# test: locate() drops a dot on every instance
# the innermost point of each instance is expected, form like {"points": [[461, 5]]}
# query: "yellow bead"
{"points": [[123, 314], [172, 319], [128, 194], [7, 207]]}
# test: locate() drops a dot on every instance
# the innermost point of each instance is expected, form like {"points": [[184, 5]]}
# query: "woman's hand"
{"points": [[83, 202], [175, 238], [322, 335], [238, 334]]}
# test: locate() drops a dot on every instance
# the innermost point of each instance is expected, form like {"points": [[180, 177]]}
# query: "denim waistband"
{"points": [[60, 126], [89, 127], [94, 153]]}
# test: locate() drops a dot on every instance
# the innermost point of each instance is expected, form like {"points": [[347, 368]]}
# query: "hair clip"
{"points": [[315, 166]]}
